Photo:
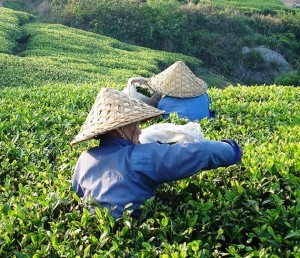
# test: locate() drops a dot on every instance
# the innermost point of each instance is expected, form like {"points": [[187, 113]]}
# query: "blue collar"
{"points": [[112, 140]]}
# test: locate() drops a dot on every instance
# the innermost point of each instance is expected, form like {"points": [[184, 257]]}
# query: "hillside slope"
{"points": [[34, 53], [218, 32]]}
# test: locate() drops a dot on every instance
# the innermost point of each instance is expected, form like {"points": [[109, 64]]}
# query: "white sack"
{"points": [[131, 90], [171, 133]]}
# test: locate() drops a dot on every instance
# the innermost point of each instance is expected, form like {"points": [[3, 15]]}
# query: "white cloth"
{"points": [[131, 90], [171, 133]]}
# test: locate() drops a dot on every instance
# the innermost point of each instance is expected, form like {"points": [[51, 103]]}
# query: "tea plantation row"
{"points": [[248, 210], [33, 53]]}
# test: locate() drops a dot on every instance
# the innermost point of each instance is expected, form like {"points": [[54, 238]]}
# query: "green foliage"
{"points": [[263, 7], [213, 31], [290, 78], [251, 209], [56, 53], [30, 6], [16, 5], [291, 22], [10, 30], [253, 61], [149, 24]]}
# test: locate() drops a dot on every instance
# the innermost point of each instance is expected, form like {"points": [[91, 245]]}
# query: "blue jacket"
{"points": [[120, 172], [194, 108]]}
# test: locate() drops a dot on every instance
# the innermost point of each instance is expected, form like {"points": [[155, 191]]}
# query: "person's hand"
{"points": [[241, 149], [237, 149], [155, 98]]}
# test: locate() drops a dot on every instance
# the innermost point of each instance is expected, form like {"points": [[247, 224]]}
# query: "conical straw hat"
{"points": [[111, 110], [178, 81]]}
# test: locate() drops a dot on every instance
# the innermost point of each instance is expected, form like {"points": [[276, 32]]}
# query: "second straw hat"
{"points": [[178, 81], [111, 110]]}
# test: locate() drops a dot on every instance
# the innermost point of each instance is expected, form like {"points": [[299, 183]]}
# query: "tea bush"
{"points": [[10, 30], [250, 209]]}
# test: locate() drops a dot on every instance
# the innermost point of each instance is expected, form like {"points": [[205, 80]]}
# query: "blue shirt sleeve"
{"points": [[164, 163]]}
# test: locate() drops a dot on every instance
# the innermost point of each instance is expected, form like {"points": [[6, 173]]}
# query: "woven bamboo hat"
{"points": [[178, 81], [111, 110]]}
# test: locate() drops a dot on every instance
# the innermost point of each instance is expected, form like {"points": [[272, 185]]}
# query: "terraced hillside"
{"points": [[33, 53]]}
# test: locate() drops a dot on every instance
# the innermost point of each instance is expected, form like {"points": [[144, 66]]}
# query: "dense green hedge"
{"points": [[10, 30], [251, 209]]}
